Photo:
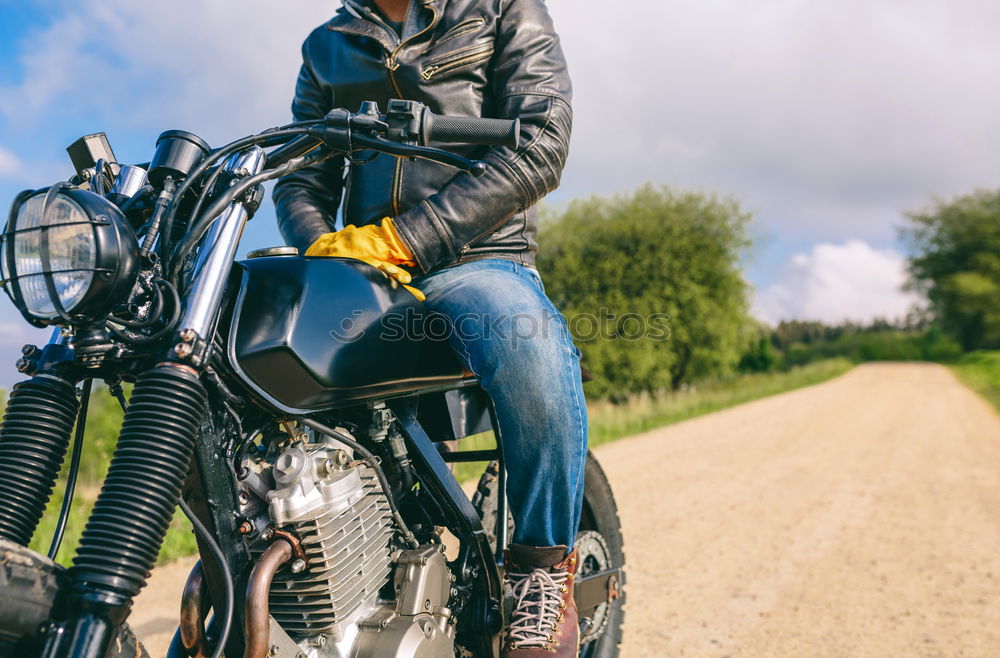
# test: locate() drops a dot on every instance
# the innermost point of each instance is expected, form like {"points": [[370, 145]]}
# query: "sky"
{"points": [[828, 120]]}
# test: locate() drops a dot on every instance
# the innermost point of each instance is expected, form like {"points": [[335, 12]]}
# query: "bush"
{"points": [[956, 262], [651, 285], [981, 372], [759, 353], [877, 345]]}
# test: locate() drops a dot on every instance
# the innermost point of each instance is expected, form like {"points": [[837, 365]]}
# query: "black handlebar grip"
{"points": [[471, 130]]}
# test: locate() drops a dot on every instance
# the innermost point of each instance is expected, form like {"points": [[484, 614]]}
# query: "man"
{"points": [[470, 242]]}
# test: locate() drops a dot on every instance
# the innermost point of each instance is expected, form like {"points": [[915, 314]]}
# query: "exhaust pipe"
{"points": [[194, 606], [257, 624]]}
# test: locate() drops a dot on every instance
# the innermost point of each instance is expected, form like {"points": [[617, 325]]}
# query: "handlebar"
{"points": [[404, 130], [471, 130], [293, 149]]}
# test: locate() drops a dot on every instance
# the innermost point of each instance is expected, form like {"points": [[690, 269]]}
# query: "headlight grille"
{"points": [[51, 252]]}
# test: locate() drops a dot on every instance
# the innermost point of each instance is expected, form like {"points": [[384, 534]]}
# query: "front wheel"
{"points": [[600, 545], [30, 582]]}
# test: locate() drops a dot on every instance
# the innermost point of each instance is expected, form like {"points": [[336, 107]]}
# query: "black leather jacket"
{"points": [[490, 58]]}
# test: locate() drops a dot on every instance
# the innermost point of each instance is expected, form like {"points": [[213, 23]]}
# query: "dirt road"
{"points": [[857, 518]]}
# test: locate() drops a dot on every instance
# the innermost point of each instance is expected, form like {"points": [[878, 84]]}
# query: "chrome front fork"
{"points": [[215, 261]]}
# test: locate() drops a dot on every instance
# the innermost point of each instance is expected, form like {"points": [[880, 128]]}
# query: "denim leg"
{"points": [[512, 337]]}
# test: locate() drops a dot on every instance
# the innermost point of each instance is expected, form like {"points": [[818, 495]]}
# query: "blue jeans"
{"points": [[506, 331]]}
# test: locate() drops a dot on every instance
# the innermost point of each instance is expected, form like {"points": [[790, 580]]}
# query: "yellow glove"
{"points": [[379, 246]]}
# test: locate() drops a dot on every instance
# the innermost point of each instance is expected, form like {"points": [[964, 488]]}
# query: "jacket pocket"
{"points": [[462, 28], [457, 60]]}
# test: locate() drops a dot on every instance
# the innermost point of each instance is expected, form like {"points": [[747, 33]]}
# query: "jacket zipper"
{"points": [[390, 61], [462, 28], [391, 65], [397, 178], [457, 60]]}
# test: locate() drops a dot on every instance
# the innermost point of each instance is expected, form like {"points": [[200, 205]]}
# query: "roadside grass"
{"points": [[78, 514], [980, 371], [608, 422], [179, 542]]}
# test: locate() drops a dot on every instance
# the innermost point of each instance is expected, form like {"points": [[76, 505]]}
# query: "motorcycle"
{"points": [[308, 440]]}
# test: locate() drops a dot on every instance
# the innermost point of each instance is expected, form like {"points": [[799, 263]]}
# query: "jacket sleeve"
{"points": [[306, 201], [529, 81]]}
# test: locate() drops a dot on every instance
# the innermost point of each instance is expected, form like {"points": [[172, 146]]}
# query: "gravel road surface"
{"points": [[856, 518]]}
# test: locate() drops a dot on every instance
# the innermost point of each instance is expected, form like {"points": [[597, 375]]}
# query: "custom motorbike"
{"points": [[309, 441]]}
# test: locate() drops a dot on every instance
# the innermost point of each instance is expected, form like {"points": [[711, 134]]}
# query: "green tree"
{"points": [[759, 354], [956, 263], [651, 285]]}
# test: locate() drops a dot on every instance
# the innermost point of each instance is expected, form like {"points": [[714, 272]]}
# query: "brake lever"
{"points": [[474, 167], [342, 131]]}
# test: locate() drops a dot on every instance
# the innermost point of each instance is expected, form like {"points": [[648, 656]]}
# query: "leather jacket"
{"points": [[489, 58]]}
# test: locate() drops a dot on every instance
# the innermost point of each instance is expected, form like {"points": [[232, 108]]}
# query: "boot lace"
{"points": [[538, 607]]}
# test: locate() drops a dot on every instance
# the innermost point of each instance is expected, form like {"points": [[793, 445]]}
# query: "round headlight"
{"points": [[69, 256]]}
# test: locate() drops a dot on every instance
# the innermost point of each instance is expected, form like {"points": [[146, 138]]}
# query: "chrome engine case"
{"points": [[333, 607], [418, 626]]}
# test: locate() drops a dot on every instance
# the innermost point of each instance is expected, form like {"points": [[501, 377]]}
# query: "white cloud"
{"points": [[826, 118], [10, 164], [221, 69], [810, 112], [837, 282]]}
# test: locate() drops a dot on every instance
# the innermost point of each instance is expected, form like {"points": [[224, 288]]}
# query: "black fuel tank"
{"points": [[315, 333]]}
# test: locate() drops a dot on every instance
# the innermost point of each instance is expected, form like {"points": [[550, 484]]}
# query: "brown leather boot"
{"points": [[544, 622]]}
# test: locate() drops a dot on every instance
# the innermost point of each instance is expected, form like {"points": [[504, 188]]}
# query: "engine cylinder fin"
{"points": [[347, 544]]}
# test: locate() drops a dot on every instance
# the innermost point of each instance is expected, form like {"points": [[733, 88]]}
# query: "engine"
{"points": [[337, 602]]}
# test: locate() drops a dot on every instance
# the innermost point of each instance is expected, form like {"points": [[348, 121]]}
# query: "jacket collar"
{"points": [[357, 17]]}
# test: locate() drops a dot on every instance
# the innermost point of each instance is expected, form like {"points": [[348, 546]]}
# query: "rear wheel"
{"points": [[600, 545]]}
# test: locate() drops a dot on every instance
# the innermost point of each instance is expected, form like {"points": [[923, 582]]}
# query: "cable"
{"points": [[205, 220], [146, 190], [163, 203], [229, 149], [98, 180], [201, 224], [175, 315], [74, 469], [151, 319], [209, 540], [226, 150], [373, 462], [246, 443], [295, 124], [206, 192], [115, 388]]}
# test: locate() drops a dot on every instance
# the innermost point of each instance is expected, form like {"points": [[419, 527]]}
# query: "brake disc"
{"points": [[594, 556]]}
